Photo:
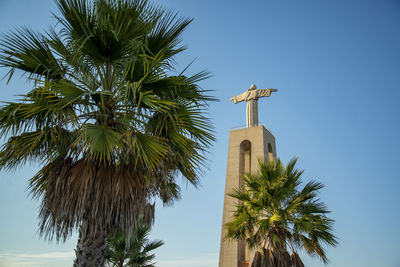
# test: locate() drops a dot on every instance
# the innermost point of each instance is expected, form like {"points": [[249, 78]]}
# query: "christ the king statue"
{"points": [[251, 96]]}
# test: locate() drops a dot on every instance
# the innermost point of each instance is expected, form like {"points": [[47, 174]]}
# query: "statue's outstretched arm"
{"points": [[265, 92], [238, 98]]}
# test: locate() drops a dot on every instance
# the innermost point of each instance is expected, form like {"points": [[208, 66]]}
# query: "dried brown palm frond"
{"points": [[297, 262], [257, 259], [275, 258], [78, 191]]}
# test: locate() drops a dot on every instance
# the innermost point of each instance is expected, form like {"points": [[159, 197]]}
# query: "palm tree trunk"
{"points": [[91, 246]]}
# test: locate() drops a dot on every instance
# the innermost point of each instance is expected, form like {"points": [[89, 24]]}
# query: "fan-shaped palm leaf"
{"points": [[275, 216], [137, 254], [109, 122]]}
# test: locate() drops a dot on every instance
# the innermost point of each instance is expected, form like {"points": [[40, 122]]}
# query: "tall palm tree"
{"points": [[277, 217], [137, 254], [107, 120]]}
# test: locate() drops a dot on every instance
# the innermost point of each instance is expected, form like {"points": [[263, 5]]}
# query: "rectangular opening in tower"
{"points": [[244, 167]]}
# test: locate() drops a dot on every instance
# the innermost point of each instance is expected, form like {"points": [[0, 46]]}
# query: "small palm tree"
{"points": [[135, 253], [108, 119], [277, 217]]}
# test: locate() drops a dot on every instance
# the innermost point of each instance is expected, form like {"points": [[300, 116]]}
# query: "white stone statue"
{"points": [[251, 96]]}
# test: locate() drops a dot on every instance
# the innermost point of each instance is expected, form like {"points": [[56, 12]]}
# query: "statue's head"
{"points": [[252, 87]]}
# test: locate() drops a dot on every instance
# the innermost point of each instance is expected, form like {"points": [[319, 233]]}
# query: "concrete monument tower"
{"points": [[246, 147]]}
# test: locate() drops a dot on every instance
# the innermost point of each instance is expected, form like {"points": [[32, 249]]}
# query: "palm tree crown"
{"points": [[276, 216], [107, 120]]}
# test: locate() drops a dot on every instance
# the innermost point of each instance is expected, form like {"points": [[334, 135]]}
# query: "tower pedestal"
{"points": [[246, 147]]}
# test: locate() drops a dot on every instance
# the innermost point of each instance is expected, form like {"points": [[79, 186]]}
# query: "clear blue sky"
{"points": [[336, 65]]}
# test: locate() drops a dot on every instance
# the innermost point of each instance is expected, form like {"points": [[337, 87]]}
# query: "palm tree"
{"points": [[277, 217], [137, 254], [107, 120]]}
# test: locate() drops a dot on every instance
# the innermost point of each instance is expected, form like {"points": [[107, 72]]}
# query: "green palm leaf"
{"points": [[108, 120], [133, 249], [275, 215]]}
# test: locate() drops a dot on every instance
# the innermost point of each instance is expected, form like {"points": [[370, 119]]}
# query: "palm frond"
{"points": [[29, 52], [133, 249], [108, 122], [274, 215]]}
